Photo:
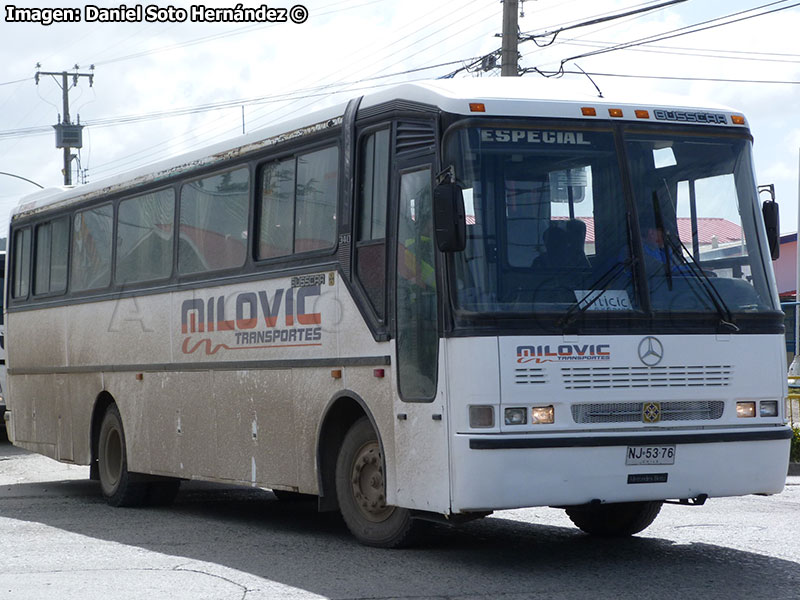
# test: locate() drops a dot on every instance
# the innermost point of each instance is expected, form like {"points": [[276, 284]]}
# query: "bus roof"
{"points": [[510, 96]]}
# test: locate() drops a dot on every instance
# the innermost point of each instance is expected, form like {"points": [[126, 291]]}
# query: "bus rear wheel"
{"points": [[116, 482], [361, 492], [619, 519]]}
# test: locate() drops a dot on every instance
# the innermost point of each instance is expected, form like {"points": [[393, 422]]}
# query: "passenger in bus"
{"points": [[564, 246], [555, 253]]}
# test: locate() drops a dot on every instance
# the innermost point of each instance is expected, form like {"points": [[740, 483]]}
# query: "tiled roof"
{"points": [[707, 228]]}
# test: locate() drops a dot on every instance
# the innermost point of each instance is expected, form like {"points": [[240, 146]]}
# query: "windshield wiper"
{"points": [[596, 289], [726, 316]]}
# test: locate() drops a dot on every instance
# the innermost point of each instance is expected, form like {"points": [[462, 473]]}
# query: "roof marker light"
{"points": [[614, 112], [642, 114], [477, 107], [737, 119], [588, 111]]}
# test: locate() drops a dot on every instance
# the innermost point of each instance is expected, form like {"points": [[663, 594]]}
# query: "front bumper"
{"points": [[494, 472]]}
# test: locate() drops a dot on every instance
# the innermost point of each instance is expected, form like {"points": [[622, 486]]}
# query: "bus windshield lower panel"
{"points": [[553, 229]]}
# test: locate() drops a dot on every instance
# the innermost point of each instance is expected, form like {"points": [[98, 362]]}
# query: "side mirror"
{"points": [[772, 222], [449, 218]]}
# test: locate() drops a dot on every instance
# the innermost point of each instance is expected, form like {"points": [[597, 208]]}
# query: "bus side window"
{"points": [[316, 196], [91, 248], [145, 230], [276, 217], [214, 219], [298, 204], [373, 198], [52, 247], [22, 262]]}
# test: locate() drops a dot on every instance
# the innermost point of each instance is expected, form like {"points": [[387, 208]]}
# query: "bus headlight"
{"points": [[541, 415], [768, 408], [516, 416], [745, 410]]}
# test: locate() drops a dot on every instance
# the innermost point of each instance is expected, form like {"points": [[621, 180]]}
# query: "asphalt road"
{"points": [[58, 539]]}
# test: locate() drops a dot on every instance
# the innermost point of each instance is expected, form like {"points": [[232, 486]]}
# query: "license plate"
{"points": [[650, 455]]}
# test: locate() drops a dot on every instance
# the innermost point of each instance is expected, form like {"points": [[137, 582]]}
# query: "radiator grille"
{"points": [[631, 412], [579, 378]]}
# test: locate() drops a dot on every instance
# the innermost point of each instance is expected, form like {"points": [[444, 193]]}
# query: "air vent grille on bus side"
{"points": [[414, 137], [529, 376], [631, 412], [395, 106], [583, 378]]}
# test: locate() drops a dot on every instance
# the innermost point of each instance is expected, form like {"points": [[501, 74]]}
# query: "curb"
{"points": [[794, 468]]}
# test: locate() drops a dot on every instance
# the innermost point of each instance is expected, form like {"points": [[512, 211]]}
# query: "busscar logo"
{"points": [[281, 319], [563, 352], [682, 116]]}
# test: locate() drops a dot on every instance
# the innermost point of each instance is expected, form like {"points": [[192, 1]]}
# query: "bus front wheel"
{"points": [[116, 482], [619, 519], [361, 491]]}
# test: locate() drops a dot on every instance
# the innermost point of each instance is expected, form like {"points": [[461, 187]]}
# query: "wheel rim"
{"points": [[111, 465], [368, 484]]}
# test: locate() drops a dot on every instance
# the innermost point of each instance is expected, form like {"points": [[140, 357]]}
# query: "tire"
{"points": [[116, 482], [614, 520], [361, 491]]}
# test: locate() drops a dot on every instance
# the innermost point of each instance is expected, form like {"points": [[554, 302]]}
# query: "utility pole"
{"points": [[68, 135], [509, 60]]}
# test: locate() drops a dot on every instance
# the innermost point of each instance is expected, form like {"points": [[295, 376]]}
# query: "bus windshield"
{"points": [[552, 229]]}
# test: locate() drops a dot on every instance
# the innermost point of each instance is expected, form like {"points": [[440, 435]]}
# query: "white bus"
{"points": [[433, 302], [2, 345]]}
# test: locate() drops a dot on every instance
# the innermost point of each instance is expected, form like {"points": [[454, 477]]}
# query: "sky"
{"points": [[164, 88]]}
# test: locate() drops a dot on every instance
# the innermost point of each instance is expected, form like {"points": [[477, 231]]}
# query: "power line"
{"points": [[314, 92], [487, 61], [340, 86], [227, 34], [683, 78], [298, 96], [697, 52], [15, 81], [683, 30], [700, 52], [595, 21], [414, 43]]}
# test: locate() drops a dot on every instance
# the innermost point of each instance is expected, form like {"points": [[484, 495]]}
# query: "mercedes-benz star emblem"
{"points": [[650, 351]]}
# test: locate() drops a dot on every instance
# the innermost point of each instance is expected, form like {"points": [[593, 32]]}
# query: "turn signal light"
{"points": [[481, 416]]}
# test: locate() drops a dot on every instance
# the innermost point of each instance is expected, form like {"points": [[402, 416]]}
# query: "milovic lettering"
{"points": [[283, 317], [563, 352]]}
